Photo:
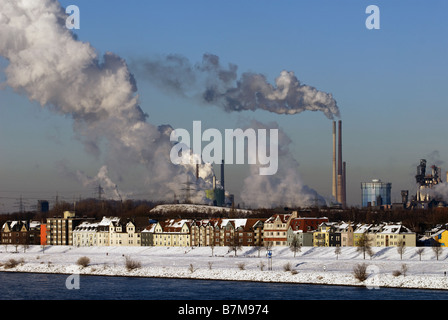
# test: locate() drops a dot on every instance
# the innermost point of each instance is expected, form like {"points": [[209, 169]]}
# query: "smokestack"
{"points": [[344, 186], [340, 177], [222, 174], [334, 177]]}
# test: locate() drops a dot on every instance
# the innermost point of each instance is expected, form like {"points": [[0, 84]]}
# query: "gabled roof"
{"points": [[282, 217], [362, 228], [19, 225], [395, 228]]}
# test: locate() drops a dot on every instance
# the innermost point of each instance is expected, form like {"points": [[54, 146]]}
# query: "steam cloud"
{"points": [[220, 86], [283, 189], [50, 66]]}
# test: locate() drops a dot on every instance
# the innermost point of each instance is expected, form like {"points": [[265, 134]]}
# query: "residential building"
{"points": [[275, 229], [346, 231], [105, 227], [359, 232], [124, 233], [20, 233], [393, 235], [60, 229], [110, 231], [173, 232], [43, 234], [436, 236], [327, 235], [302, 228], [85, 234], [305, 238], [147, 235], [244, 232]]}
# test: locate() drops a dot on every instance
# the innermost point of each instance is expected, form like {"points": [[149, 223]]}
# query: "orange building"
{"points": [[43, 234]]}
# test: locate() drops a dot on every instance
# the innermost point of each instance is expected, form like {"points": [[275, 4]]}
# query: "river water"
{"points": [[29, 286]]}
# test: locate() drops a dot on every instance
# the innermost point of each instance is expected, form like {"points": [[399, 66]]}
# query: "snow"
{"points": [[313, 265], [195, 208]]}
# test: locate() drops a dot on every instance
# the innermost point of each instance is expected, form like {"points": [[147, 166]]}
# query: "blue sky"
{"points": [[390, 85]]}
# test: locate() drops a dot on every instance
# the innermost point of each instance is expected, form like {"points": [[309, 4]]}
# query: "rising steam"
{"points": [[282, 189], [48, 64], [51, 67], [217, 85]]}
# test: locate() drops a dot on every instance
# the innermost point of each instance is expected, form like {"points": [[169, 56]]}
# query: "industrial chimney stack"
{"points": [[222, 174], [341, 176], [334, 189]]}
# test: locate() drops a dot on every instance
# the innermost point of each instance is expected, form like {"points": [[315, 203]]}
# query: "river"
{"points": [[30, 286]]}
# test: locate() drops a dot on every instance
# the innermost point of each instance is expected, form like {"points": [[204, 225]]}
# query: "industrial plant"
{"points": [[427, 194], [339, 185]]}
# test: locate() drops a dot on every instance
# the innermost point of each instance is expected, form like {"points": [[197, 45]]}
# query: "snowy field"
{"points": [[311, 265]]}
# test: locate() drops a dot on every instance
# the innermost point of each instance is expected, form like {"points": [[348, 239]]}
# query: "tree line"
{"points": [[417, 220]]}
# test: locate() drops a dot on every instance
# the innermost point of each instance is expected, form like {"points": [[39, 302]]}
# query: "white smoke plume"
{"points": [[285, 188], [217, 85], [50, 66]]}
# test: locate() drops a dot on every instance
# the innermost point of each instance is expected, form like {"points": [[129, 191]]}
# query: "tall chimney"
{"points": [[222, 174], [344, 186], [334, 177], [340, 182], [197, 171]]}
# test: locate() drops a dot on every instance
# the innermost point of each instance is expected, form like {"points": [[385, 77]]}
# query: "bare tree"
{"points": [[212, 246], [437, 250], [401, 248], [295, 245], [234, 244], [259, 250], [419, 251], [364, 245], [337, 252]]}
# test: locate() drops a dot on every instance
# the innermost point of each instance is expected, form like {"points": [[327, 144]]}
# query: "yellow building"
{"points": [[394, 235], [172, 233], [321, 237], [441, 238]]}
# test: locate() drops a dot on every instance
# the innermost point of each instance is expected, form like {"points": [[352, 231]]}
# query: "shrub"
{"points": [[396, 273], [11, 263], [241, 265], [132, 264], [83, 262], [261, 265], [403, 271], [191, 268], [360, 272], [287, 267]]}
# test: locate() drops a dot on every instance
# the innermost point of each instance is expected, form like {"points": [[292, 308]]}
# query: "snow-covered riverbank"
{"points": [[311, 265]]}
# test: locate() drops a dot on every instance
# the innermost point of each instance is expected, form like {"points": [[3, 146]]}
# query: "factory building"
{"points": [[375, 193], [426, 181]]}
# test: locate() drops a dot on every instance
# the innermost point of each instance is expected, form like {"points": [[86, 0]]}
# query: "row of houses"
{"points": [[278, 230], [334, 234]]}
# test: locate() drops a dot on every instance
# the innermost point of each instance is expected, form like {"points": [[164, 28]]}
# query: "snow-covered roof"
{"points": [[236, 222], [107, 220], [362, 228], [395, 228], [87, 226]]}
